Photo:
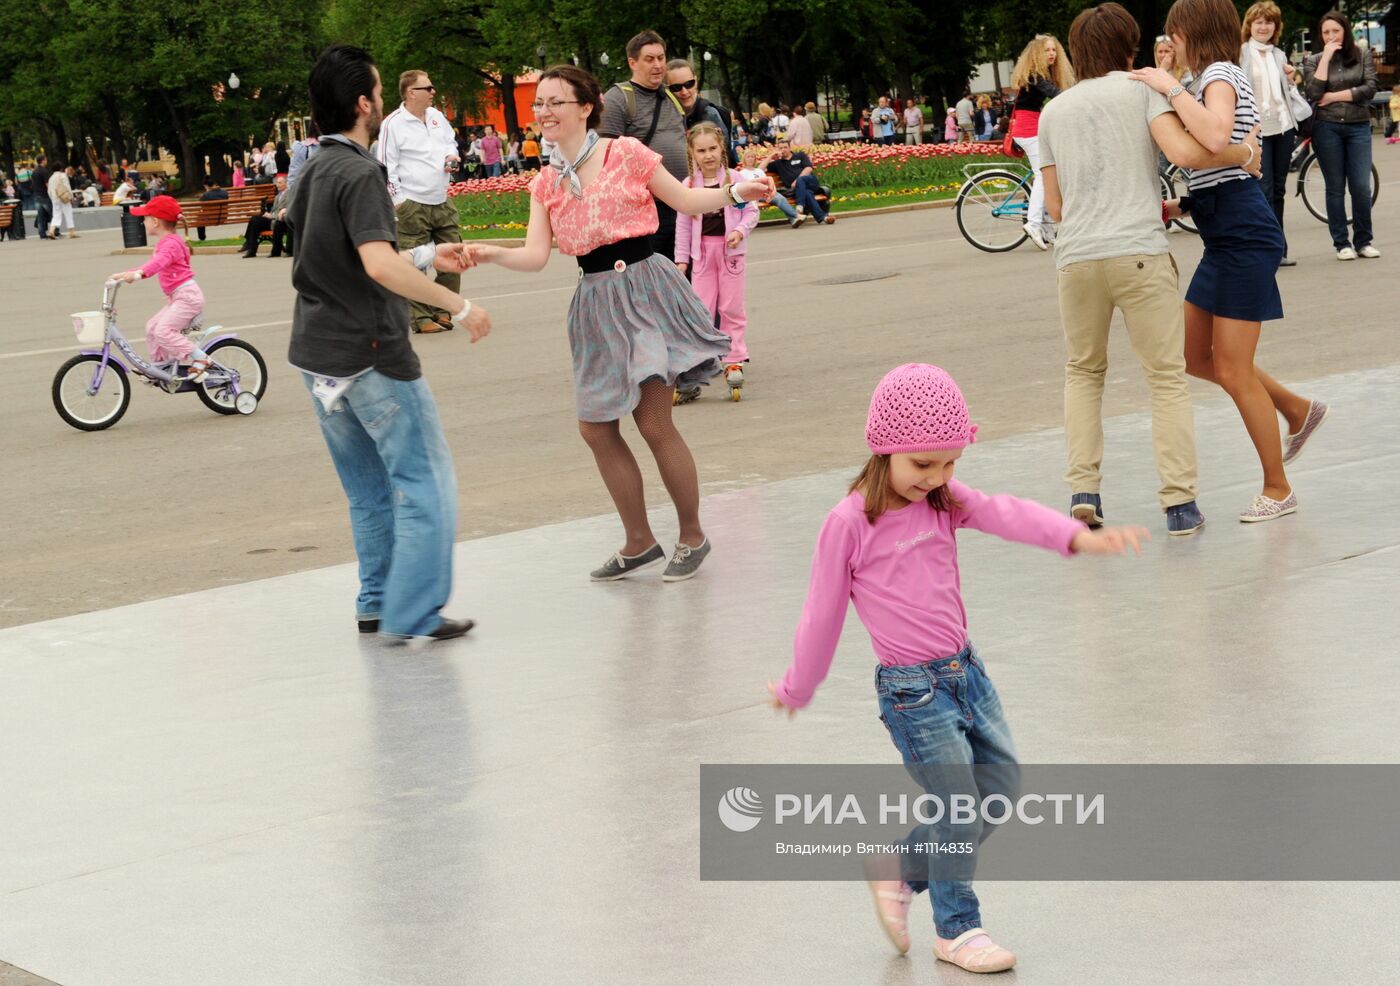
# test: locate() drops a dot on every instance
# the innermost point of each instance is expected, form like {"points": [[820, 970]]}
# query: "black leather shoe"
{"points": [[448, 629], [369, 626]]}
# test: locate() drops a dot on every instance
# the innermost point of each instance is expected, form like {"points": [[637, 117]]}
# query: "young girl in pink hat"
{"points": [[891, 548]]}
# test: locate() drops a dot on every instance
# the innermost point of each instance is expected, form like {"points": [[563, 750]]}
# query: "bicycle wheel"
{"points": [[1174, 180], [241, 358], [1313, 188], [82, 407], [992, 208]]}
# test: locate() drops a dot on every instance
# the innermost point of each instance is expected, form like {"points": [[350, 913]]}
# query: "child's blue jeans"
{"points": [[944, 716]]}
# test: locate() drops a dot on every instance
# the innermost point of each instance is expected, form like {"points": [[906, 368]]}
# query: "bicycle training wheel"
{"points": [[81, 406], [241, 358], [992, 209]]}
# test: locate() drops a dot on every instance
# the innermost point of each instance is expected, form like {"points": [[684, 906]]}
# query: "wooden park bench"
{"points": [[241, 205], [7, 215]]}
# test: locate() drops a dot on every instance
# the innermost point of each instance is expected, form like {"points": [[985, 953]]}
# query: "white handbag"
{"points": [[1297, 105]]}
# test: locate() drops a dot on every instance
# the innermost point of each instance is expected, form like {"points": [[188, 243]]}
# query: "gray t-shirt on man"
{"points": [[669, 138], [1096, 135]]}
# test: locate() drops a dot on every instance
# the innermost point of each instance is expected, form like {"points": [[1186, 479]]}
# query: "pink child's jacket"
{"points": [[743, 218]]}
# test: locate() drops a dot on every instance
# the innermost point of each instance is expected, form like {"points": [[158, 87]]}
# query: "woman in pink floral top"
{"points": [[635, 327]]}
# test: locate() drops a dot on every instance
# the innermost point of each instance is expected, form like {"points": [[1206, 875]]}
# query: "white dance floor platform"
{"points": [[234, 787]]}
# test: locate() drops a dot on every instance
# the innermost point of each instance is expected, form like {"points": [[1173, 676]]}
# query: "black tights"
{"points": [[623, 477]]}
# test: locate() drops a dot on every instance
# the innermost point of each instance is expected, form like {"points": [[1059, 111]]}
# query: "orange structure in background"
{"points": [[493, 112]]}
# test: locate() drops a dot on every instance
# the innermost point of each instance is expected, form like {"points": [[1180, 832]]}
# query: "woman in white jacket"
{"points": [[1279, 104]]}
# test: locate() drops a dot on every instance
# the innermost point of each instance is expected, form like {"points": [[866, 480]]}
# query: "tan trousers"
{"points": [[420, 224], [1145, 289]]}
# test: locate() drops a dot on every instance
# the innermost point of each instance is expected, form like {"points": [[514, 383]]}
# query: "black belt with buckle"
{"points": [[616, 256]]}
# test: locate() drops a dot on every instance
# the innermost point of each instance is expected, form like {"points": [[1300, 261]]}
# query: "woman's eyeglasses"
{"points": [[680, 87], [553, 105], [1164, 39]]}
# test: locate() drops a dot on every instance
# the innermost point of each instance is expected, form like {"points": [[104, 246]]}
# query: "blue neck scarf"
{"points": [[569, 170]]}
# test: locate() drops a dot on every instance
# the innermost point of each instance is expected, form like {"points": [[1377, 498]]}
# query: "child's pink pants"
{"points": [[163, 332], [719, 281]]}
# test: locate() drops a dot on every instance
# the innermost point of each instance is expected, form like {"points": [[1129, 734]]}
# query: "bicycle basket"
{"points": [[91, 327]]}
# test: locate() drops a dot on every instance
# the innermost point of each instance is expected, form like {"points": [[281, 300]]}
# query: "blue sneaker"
{"points": [[1087, 508], [1184, 518]]}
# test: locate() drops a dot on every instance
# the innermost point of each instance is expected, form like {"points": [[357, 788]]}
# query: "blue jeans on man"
{"points": [[43, 214], [805, 190], [1344, 153], [493, 170], [388, 448], [784, 206], [943, 717]]}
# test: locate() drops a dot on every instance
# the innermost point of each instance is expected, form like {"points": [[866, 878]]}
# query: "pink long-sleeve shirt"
{"points": [[171, 261], [902, 574]]}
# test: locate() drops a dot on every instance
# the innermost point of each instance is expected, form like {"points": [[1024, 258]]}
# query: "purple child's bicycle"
{"points": [[91, 392]]}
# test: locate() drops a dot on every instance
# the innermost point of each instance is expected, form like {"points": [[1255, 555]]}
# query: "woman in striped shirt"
{"points": [[1233, 289]]}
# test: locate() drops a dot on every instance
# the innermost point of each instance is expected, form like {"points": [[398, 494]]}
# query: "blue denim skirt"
{"points": [[1244, 244]]}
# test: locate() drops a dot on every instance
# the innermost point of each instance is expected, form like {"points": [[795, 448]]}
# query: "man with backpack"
{"points": [[645, 109]]}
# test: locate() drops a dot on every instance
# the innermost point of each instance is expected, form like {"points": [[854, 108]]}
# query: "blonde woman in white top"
{"points": [[1272, 78]]}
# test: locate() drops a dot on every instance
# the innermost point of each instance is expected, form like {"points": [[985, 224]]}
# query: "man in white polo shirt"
{"points": [[418, 148]]}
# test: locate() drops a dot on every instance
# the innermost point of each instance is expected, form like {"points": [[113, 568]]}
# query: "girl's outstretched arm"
{"points": [[698, 201], [823, 616]]}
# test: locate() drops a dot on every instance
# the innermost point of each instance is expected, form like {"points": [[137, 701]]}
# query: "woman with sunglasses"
{"points": [[636, 328]]}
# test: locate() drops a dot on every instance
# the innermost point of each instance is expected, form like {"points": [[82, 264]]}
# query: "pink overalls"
{"points": [[164, 332], [717, 269]]}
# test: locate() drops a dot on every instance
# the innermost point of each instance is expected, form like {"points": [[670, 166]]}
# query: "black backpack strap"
{"points": [[655, 119]]}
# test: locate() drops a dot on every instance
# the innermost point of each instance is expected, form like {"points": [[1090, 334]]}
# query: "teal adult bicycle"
{"points": [[995, 199], [993, 204]]}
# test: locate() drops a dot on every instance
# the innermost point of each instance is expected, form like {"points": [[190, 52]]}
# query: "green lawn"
{"points": [[848, 200]]}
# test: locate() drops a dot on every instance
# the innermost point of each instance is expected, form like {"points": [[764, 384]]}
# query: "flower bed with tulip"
{"points": [[860, 176]]}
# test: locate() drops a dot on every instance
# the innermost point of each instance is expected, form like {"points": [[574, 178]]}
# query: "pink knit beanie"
{"points": [[917, 408]]}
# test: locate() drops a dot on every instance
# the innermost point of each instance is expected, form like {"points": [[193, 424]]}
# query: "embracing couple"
{"points": [[1098, 148]]}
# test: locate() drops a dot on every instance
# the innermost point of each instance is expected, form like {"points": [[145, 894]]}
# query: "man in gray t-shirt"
{"points": [[965, 109], [643, 108], [1098, 153]]}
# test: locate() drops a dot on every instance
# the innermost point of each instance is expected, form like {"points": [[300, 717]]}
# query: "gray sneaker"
{"points": [[619, 566], [686, 561]]}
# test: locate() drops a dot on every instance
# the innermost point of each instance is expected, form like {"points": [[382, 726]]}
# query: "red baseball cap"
{"points": [[162, 207]]}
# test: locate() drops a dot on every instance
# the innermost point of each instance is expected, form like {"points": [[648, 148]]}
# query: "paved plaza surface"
{"points": [[211, 778], [255, 497]]}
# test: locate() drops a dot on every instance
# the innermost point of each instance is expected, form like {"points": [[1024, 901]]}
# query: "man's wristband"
{"points": [[461, 317], [423, 256]]}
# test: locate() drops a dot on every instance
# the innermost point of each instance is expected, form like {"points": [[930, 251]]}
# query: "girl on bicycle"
{"points": [[713, 246], [165, 332], [891, 548], [1233, 290], [1042, 71]]}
